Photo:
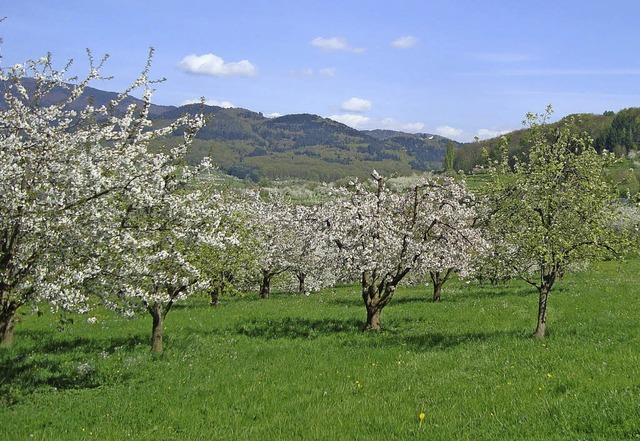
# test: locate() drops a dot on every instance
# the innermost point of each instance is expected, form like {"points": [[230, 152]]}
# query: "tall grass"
{"points": [[300, 368]]}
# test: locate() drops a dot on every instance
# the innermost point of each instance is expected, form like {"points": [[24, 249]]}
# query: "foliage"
{"points": [[623, 133], [449, 157]]}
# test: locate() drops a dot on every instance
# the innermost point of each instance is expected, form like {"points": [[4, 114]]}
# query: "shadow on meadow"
{"points": [[443, 341], [56, 363], [488, 291], [293, 328]]}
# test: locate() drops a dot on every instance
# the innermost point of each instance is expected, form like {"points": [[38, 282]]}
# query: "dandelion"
{"points": [[421, 416], [549, 375]]}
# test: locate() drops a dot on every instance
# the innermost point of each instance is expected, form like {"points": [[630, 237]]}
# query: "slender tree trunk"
{"points": [[265, 286], [7, 322], [541, 326], [155, 309]]}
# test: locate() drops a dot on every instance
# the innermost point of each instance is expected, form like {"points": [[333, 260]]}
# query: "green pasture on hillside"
{"points": [[300, 368]]}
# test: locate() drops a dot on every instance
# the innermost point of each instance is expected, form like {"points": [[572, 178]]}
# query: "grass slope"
{"points": [[299, 368]]}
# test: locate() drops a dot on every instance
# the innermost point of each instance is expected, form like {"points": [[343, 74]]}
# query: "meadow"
{"points": [[300, 368]]}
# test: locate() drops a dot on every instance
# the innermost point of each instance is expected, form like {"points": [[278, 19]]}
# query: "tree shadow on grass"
{"points": [[294, 328], [481, 292], [68, 363], [442, 340]]}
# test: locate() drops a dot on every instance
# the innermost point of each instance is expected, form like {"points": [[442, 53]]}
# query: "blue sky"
{"points": [[454, 68]]}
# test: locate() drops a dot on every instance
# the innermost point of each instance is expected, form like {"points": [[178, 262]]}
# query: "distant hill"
{"points": [[249, 145], [617, 132]]}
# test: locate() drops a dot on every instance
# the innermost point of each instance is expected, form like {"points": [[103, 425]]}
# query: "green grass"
{"points": [[300, 368]]}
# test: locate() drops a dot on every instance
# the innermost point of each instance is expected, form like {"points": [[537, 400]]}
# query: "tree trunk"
{"points": [[301, 278], [265, 286], [439, 278], [7, 322], [541, 326], [155, 310], [437, 289], [215, 296], [373, 318]]}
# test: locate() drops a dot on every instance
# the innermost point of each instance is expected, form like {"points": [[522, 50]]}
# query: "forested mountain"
{"points": [[249, 145]]}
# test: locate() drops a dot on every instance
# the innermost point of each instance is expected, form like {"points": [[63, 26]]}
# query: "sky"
{"points": [[459, 69]]}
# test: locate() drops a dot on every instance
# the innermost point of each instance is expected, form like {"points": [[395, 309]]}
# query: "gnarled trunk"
{"points": [[373, 318], [155, 309], [7, 322], [376, 294]]}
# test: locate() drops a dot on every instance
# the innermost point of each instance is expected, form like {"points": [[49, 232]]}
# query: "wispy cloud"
{"points": [[326, 72], [212, 65], [356, 104], [392, 124], [335, 44], [405, 42], [548, 72], [501, 57]]}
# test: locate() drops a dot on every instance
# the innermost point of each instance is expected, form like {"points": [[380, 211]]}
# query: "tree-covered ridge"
{"points": [[617, 132], [249, 145]]}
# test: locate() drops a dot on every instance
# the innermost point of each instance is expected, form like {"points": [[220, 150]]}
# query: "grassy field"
{"points": [[300, 368]]}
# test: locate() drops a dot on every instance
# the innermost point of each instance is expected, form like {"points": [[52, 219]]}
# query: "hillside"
{"points": [[248, 145], [617, 132]]}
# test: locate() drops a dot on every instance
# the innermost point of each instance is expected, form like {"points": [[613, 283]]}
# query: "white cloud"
{"points": [[449, 132], [352, 120], [225, 104], [405, 42], [212, 65], [361, 122], [273, 115], [334, 44], [488, 134], [356, 105]]}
